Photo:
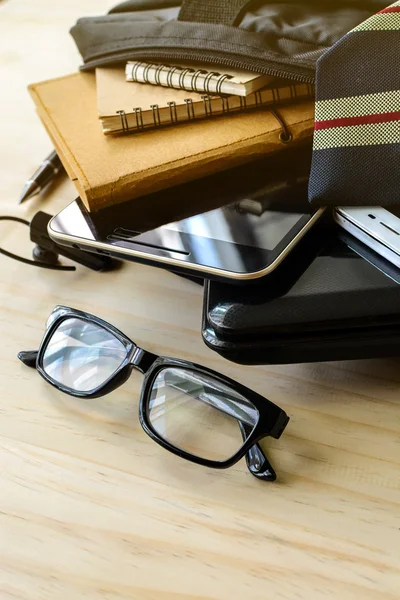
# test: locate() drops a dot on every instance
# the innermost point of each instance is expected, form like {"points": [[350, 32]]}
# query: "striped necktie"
{"points": [[356, 149]]}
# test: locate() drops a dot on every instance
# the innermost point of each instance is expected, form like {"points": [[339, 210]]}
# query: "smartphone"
{"points": [[257, 224], [377, 227]]}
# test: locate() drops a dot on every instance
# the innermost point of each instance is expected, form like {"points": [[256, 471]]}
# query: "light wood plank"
{"points": [[90, 507]]}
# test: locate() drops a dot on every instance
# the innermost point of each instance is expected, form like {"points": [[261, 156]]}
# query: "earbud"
{"points": [[46, 252]]}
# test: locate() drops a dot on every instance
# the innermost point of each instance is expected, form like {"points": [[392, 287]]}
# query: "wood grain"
{"points": [[89, 506]]}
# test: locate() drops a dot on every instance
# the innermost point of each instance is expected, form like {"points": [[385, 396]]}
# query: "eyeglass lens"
{"points": [[82, 355], [196, 413]]}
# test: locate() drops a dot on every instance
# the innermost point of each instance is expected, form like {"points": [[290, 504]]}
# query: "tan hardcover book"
{"points": [[132, 107], [111, 169]]}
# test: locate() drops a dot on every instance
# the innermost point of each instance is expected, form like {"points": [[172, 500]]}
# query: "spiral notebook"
{"points": [[196, 78], [131, 107]]}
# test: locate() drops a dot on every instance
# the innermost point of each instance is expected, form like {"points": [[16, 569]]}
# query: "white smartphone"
{"points": [[377, 227]]}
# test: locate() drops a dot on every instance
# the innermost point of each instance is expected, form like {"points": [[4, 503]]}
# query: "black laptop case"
{"points": [[335, 304]]}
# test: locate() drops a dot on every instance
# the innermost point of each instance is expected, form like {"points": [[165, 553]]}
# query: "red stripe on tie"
{"points": [[389, 9], [363, 120]]}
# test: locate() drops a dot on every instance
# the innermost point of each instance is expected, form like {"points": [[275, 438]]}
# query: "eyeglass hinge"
{"points": [[279, 426]]}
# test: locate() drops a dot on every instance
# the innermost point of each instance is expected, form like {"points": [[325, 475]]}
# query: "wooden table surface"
{"points": [[90, 507]]}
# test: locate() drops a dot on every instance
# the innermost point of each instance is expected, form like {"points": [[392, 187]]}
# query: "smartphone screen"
{"points": [[245, 223], [249, 221]]}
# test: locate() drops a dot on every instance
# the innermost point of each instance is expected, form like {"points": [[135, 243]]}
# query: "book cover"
{"points": [[111, 169]]}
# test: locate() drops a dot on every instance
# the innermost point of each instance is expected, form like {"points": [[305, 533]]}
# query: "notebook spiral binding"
{"points": [[184, 72], [207, 111]]}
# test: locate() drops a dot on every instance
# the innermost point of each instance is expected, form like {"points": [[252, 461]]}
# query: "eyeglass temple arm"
{"points": [[28, 357], [256, 461]]}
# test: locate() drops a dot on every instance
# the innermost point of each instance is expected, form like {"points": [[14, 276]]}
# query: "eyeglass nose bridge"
{"points": [[141, 359]]}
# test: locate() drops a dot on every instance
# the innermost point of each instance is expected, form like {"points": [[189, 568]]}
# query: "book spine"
{"points": [[187, 79]]}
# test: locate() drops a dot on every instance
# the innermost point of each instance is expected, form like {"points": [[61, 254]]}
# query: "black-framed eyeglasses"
{"points": [[190, 410]]}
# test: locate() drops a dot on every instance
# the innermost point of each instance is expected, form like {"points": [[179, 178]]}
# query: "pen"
{"points": [[48, 170]]}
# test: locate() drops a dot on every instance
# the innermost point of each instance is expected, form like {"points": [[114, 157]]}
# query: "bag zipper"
{"points": [[264, 67]]}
